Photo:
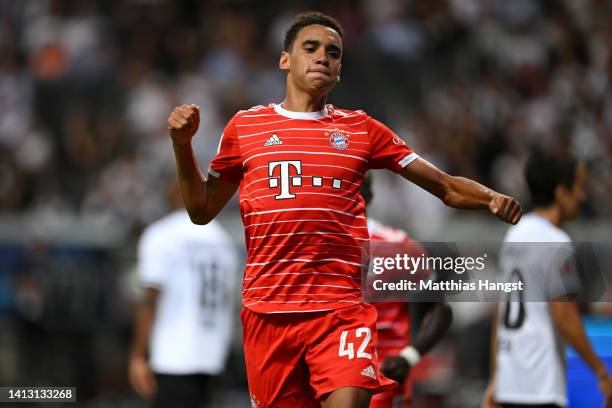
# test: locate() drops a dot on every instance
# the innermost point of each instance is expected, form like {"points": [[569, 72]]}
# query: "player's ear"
{"points": [[561, 193], [283, 62]]}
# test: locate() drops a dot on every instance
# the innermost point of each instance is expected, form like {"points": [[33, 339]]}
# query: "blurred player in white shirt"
{"points": [[183, 325], [528, 347]]}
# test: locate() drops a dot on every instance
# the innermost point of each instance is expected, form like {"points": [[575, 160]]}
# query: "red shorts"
{"points": [[398, 397], [293, 359]]}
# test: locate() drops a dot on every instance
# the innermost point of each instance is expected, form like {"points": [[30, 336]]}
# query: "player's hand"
{"points": [[489, 401], [183, 123], [141, 378], [396, 368], [506, 208], [605, 386]]}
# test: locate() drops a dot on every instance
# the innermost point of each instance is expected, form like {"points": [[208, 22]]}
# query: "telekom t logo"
{"points": [[285, 175]]}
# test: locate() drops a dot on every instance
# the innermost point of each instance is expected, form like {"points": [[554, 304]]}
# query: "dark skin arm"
{"points": [[429, 322], [489, 401], [456, 192], [203, 197], [462, 193], [569, 323], [567, 320], [139, 373], [433, 320]]}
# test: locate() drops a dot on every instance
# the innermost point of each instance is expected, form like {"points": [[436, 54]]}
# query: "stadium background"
{"points": [[85, 90]]}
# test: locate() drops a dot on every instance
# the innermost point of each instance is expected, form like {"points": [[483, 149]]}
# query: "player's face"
{"points": [[313, 63], [571, 199]]}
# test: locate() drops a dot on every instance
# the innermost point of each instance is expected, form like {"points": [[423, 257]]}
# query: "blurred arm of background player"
{"points": [[462, 193], [203, 197], [569, 323], [567, 320], [140, 375], [489, 401], [429, 322]]}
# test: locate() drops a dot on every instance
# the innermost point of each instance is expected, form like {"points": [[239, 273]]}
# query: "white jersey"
{"points": [[530, 367], [194, 268]]}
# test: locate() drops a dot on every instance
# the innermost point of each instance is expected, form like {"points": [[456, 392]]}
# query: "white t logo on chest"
{"points": [[285, 176]]}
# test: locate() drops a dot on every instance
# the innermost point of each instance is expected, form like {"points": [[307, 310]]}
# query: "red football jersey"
{"points": [[304, 219]]}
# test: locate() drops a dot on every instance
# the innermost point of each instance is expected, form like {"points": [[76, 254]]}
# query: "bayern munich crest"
{"points": [[339, 140]]}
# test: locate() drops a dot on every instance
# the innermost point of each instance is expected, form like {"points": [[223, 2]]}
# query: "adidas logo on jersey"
{"points": [[369, 372], [273, 141]]}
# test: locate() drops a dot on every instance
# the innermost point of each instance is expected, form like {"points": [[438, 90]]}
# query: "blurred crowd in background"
{"points": [[472, 85], [86, 87]]}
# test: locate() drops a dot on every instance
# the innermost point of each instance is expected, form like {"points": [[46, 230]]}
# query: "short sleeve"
{"points": [[563, 280], [227, 164], [387, 150], [153, 260]]}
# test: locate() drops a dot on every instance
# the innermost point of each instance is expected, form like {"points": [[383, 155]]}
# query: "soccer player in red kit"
{"points": [[405, 331], [309, 339]]}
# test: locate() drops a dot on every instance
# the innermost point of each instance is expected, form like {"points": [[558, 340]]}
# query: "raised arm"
{"points": [[203, 197], [459, 192]]}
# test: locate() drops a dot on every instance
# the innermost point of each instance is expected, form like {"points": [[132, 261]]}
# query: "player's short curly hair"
{"points": [[307, 19]]}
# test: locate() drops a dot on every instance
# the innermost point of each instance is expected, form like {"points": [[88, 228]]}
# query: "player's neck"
{"points": [[299, 101], [552, 214]]}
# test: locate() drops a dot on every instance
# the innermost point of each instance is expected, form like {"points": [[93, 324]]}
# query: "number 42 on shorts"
{"points": [[347, 349]]}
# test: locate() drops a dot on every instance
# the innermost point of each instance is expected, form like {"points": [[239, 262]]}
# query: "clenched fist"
{"points": [[506, 208], [141, 378], [183, 123], [605, 386], [396, 368]]}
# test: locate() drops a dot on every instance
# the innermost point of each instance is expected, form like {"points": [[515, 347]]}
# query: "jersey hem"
{"points": [[374, 388], [530, 399], [149, 284], [331, 308]]}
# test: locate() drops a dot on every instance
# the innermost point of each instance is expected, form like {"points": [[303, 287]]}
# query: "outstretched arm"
{"points": [[459, 192], [203, 197]]}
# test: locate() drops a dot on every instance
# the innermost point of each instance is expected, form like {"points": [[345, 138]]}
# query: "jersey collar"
{"points": [[300, 115]]}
